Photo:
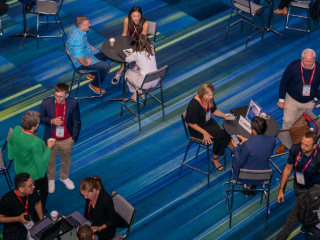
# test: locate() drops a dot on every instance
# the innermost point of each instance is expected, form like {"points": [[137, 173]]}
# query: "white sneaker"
{"points": [[52, 186], [69, 184], [116, 78]]}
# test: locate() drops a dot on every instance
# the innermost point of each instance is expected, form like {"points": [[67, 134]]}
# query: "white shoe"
{"points": [[51, 186], [116, 78], [69, 184]]}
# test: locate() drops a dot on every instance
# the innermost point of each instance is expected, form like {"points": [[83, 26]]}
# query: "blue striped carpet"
{"points": [[143, 166]]}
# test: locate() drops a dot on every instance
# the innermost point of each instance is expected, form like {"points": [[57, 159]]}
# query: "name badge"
{"points": [[60, 131], [29, 225], [306, 90], [208, 115], [300, 178]]}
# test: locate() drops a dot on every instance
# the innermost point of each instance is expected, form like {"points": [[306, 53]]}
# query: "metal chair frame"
{"points": [[193, 140], [5, 169], [305, 6], [245, 7], [263, 175], [153, 25], [56, 16], [82, 73], [159, 74]]}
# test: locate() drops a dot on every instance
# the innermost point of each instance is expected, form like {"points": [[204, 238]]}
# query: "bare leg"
{"points": [[121, 69], [216, 162]]}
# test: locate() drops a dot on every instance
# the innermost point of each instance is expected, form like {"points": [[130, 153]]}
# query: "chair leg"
{"points": [[71, 85], [124, 97], [47, 21], [262, 25], [251, 26], [208, 160], [9, 178], [198, 151], [185, 156], [225, 162], [38, 38], [287, 21], [101, 97], [5, 174], [231, 206], [138, 110], [78, 85], [268, 211], [55, 18], [162, 103], [61, 24], [309, 28], [229, 24], [145, 99]]}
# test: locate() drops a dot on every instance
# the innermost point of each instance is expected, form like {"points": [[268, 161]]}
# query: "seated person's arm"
{"points": [[85, 62], [39, 211], [125, 27], [221, 114], [4, 219], [242, 156], [145, 28], [206, 136]]}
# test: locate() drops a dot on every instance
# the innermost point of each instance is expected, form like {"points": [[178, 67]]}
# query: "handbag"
{"points": [[300, 127]]}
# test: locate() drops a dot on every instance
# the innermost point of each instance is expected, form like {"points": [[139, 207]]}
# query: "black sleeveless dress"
{"points": [[134, 31]]}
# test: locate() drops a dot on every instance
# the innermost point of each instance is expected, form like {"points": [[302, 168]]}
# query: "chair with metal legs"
{"points": [[153, 31], [159, 74], [248, 11], [300, 6], [83, 73], [4, 169], [49, 8], [193, 140], [256, 175]]}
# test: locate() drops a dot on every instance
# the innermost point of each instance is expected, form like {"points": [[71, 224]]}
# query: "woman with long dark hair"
{"points": [[133, 25], [99, 208], [143, 55]]}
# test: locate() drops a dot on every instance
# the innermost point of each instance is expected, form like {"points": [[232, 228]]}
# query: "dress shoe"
{"points": [[90, 77], [96, 89], [281, 149]]}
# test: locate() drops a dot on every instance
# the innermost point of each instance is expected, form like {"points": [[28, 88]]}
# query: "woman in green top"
{"points": [[30, 153]]}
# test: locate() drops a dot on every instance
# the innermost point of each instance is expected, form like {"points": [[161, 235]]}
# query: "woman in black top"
{"points": [[202, 126], [133, 25], [99, 208]]}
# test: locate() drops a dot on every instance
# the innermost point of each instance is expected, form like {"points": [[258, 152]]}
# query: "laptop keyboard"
{"points": [[38, 235], [73, 221]]}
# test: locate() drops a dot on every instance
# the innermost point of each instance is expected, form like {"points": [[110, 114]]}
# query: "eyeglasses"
{"points": [[60, 96], [32, 184]]}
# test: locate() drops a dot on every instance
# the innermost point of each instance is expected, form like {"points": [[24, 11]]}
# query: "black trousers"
{"points": [[42, 186], [284, 3], [292, 219], [3, 7], [11, 233]]}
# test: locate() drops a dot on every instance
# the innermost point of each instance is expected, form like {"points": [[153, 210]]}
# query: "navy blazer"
{"points": [[254, 155], [73, 122]]}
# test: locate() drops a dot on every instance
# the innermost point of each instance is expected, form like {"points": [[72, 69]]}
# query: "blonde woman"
{"points": [[202, 126]]}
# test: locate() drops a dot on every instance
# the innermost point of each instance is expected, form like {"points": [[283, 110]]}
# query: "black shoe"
{"points": [[253, 187], [247, 193], [259, 14], [29, 7]]}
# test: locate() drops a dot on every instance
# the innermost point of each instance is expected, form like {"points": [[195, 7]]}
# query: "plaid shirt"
{"points": [[78, 47]]}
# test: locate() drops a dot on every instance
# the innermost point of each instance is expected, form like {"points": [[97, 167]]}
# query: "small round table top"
{"points": [[120, 43], [233, 127]]}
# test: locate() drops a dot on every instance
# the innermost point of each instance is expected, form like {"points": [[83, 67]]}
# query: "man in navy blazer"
{"points": [[255, 152], [61, 117]]}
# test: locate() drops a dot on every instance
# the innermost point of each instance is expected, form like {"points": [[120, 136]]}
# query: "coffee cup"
{"points": [[112, 40], [264, 115], [54, 215], [51, 139]]}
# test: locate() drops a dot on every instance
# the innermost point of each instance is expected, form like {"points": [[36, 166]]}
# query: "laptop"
{"points": [[52, 230], [76, 219], [254, 110], [68, 235], [40, 226]]}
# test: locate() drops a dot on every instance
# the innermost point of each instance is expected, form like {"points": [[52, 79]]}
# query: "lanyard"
{"points": [[26, 131], [295, 166], [63, 115], [314, 68], [89, 209], [135, 29], [202, 104], [26, 206]]}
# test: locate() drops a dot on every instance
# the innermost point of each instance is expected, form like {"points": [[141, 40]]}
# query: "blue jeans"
{"points": [[102, 66]]}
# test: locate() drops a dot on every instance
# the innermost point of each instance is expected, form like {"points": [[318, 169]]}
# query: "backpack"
{"points": [[314, 11], [308, 207]]}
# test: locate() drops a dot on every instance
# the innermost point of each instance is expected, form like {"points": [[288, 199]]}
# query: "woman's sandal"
{"points": [[219, 168]]}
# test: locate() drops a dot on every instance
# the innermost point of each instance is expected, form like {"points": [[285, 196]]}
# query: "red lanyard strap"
{"points": [[135, 29], [26, 131], [314, 68], [89, 209], [202, 104], [295, 166], [63, 115], [26, 206]]}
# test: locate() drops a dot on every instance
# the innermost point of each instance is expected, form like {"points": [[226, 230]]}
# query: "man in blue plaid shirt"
{"points": [[84, 56]]}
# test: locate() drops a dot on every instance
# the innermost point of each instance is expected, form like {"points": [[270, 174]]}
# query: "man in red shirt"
{"points": [[61, 117]]}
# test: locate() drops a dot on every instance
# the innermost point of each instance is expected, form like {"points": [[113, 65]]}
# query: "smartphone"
{"points": [[133, 42], [231, 118], [27, 217], [234, 137]]}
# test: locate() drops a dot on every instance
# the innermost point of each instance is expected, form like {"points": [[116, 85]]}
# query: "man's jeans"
{"points": [[102, 66]]}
